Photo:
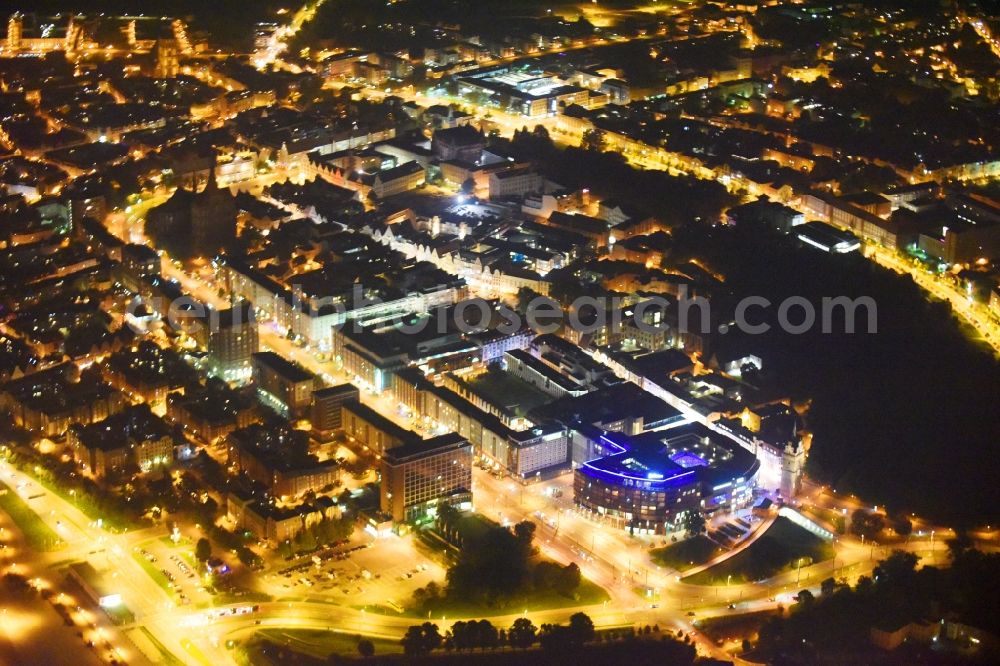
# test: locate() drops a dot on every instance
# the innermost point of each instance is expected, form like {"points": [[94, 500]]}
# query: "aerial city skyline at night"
{"points": [[658, 332]]}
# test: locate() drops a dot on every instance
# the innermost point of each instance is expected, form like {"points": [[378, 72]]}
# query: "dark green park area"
{"points": [[783, 547], [686, 554]]}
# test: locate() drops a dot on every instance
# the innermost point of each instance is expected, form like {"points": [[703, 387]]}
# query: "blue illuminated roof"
{"points": [[686, 459], [623, 468], [672, 458]]}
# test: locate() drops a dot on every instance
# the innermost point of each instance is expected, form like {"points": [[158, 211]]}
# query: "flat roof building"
{"points": [[282, 385], [823, 236], [463, 143], [232, 341], [327, 406], [374, 431], [539, 452], [418, 476], [649, 482]]}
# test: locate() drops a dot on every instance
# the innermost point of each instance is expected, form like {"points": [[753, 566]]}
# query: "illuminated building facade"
{"points": [[649, 482], [232, 342], [134, 437], [283, 385], [418, 476]]}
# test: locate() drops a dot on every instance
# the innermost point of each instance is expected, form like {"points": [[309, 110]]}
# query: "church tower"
{"points": [[793, 461]]}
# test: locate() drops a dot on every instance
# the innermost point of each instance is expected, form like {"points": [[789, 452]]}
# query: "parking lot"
{"points": [[385, 572], [179, 568]]}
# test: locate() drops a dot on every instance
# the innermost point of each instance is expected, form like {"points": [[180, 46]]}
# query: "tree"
{"points": [[902, 526], [324, 531], [569, 579], [462, 635], [421, 639], [249, 558], [961, 543], [840, 524], [546, 575], [522, 634], [694, 522], [432, 591], [525, 533], [486, 635], [593, 139], [898, 570], [203, 550], [805, 597], [431, 636], [581, 628], [866, 524], [493, 567], [447, 517], [305, 540], [413, 641], [525, 299], [555, 637], [366, 648]]}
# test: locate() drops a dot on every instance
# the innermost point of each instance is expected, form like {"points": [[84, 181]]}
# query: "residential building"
{"points": [[211, 412], [134, 437], [277, 457], [273, 523], [48, 402], [515, 182], [464, 143], [232, 342]]}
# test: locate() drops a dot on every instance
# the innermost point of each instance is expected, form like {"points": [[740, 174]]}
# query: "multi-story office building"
{"points": [[285, 386], [327, 406], [515, 182], [232, 342], [650, 481], [539, 452], [418, 476], [371, 429]]}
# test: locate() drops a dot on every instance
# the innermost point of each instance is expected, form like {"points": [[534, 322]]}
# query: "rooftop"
{"points": [[134, 424], [434, 446], [677, 456], [293, 372]]}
